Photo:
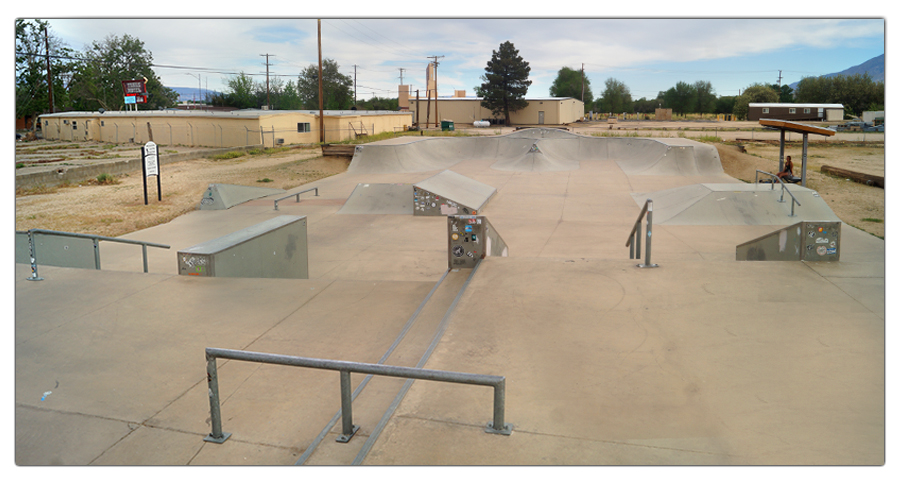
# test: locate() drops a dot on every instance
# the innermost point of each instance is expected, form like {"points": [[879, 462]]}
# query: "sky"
{"points": [[649, 55]]}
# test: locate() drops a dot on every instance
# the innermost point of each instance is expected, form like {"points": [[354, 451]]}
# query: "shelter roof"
{"points": [[796, 127]]}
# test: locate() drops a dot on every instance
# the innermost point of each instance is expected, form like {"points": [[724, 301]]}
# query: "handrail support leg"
{"points": [[96, 253], [637, 240], [348, 430], [498, 425], [34, 270], [215, 412]]}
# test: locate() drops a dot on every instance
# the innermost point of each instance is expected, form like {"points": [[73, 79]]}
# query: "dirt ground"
{"points": [[117, 209], [856, 204]]}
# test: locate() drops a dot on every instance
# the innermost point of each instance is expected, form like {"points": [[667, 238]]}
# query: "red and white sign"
{"points": [[135, 87]]}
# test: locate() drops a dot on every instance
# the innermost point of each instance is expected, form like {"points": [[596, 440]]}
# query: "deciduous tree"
{"points": [[32, 92], [758, 92], [616, 97], [706, 97], [97, 82], [337, 87], [572, 83], [241, 91]]}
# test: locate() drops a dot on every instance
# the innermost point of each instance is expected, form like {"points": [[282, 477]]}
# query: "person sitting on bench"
{"points": [[787, 173]]}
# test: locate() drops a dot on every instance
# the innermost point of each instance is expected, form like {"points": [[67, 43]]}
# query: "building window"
{"points": [[765, 111], [303, 127], [805, 111], [102, 124], [792, 111], [74, 125]]}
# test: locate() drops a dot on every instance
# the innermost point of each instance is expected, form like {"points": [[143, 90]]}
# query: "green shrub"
{"points": [[106, 179]]}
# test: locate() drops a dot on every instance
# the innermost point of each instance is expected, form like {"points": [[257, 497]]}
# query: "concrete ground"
{"points": [[701, 361]]}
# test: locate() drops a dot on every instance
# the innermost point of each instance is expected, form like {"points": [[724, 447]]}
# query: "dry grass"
{"points": [[118, 208], [856, 204]]}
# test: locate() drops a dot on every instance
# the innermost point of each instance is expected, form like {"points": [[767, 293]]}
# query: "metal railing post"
{"points": [[96, 253], [144, 253], [347, 427], [634, 239], [34, 271], [215, 412], [499, 422], [637, 240], [649, 234]]}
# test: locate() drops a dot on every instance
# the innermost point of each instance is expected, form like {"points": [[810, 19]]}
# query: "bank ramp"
{"points": [[540, 150], [734, 204]]}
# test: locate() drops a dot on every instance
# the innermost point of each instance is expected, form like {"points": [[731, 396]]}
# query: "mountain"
{"points": [[191, 93], [874, 67]]}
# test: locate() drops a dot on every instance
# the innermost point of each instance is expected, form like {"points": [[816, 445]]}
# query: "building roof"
{"points": [[241, 113], [449, 98], [793, 105]]}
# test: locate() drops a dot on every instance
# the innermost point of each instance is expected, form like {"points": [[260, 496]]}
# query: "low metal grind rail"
{"points": [[95, 238], [634, 239], [497, 426], [297, 195], [783, 188]]}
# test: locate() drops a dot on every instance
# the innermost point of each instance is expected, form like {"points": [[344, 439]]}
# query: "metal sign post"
{"points": [[150, 163]]}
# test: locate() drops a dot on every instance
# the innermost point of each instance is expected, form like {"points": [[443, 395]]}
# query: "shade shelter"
{"points": [[801, 128]]}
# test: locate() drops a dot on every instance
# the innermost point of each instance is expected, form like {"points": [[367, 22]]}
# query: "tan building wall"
{"points": [[217, 129], [548, 111]]}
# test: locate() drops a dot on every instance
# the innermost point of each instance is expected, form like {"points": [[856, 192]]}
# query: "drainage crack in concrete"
{"points": [[565, 436], [826, 278]]}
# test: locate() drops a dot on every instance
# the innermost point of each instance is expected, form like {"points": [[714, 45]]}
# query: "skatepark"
{"points": [[697, 359]]}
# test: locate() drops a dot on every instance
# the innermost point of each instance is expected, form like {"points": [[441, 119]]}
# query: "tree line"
{"points": [[91, 80], [857, 93]]}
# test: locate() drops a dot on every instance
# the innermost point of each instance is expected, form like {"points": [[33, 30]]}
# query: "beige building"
{"points": [[219, 128], [467, 110]]}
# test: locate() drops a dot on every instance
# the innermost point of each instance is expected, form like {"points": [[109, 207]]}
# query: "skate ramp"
{"points": [[449, 193], [540, 150], [372, 198], [734, 204], [225, 196]]}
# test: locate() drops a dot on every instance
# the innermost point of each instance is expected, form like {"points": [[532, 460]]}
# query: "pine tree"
{"points": [[505, 82]]}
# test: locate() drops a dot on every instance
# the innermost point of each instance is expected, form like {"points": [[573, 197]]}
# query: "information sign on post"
{"points": [[150, 163], [135, 91]]}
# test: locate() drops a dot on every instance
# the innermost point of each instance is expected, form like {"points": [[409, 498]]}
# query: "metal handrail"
{"points": [[783, 189], [297, 195], [634, 243], [497, 426], [94, 237]]}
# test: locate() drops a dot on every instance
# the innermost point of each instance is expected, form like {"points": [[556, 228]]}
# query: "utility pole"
{"points": [[268, 106], [436, 63], [321, 97], [355, 98], [779, 78], [49, 76]]}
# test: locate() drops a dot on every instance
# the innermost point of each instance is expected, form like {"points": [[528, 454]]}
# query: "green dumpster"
{"points": [[447, 125]]}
